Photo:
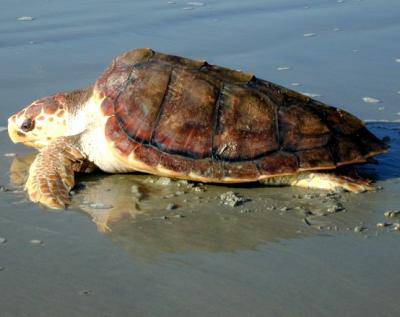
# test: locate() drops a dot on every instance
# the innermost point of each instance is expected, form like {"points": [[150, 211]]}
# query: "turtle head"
{"points": [[39, 123]]}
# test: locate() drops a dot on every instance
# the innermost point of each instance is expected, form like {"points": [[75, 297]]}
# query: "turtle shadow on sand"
{"points": [[148, 215]]}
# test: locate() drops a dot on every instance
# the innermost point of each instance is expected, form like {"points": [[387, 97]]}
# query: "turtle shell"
{"points": [[184, 118]]}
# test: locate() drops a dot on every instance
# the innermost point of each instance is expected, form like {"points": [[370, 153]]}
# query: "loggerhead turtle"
{"points": [[182, 118]]}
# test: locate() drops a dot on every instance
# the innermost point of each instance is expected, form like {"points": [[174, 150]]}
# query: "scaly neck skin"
{"points": [[77, 121], [77, 103]]}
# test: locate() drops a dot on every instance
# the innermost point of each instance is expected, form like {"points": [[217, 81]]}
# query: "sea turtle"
{"points": [[182, 118]]}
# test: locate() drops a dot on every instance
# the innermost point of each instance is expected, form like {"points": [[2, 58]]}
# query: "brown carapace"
{"points": [[223, 125]]}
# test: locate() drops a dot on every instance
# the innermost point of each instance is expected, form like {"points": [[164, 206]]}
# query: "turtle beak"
{"points": [[15, 134]]}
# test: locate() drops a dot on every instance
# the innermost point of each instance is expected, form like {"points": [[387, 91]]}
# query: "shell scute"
{"points": [[240, 170], [186, 121], [315, 158], [339, 120], [113, 81], [345, 150], [139, 104], [206, 170], [246, 127], [301, 129], [175, 163], [278, 163], [113, 131], [147, 155], [128, 149]]}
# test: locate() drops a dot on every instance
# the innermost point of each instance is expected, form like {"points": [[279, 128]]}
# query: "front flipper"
{"points": [[51, 175]]}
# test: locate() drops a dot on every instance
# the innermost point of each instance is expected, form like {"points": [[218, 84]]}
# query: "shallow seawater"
{"points": [[135, 245]]}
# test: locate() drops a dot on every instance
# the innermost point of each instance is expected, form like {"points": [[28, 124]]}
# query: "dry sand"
{"points": [[135, 245]]}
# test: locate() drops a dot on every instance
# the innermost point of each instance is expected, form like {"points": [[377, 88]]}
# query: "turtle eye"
{"points": [[28, 125]]}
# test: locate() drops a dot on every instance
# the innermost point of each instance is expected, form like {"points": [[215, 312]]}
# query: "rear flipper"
{"points": [[326, 181]]}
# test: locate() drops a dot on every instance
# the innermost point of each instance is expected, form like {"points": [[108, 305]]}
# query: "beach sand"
{"points": [[138, 245]]}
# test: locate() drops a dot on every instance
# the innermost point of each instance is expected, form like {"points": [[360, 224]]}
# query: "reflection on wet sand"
{"points": [[150, 215], [19, 169]]}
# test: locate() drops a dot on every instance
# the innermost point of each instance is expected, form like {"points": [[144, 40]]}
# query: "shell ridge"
{"points": [[216, 117], [160, 109], [266, 98], [276, 114], [277, 125], [329, 133], [122, 89]]}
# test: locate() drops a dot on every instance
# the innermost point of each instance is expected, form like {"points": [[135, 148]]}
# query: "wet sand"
{"points": [[137, 245]]}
